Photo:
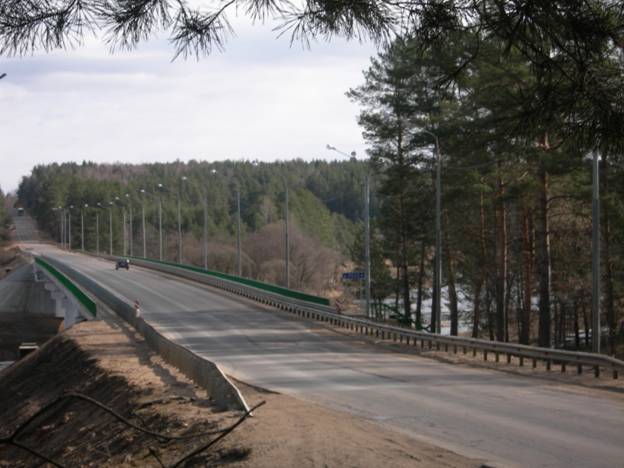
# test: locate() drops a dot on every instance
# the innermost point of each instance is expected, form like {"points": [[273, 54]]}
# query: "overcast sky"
{"points": [[261, 98]]}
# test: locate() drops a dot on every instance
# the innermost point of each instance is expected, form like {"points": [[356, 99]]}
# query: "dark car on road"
{"points": [[122, 263]]}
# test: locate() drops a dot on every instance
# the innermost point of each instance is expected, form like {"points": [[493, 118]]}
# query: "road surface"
{"points": [[507, 419]]}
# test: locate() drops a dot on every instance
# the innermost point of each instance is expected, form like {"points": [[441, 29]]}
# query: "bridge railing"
{"points": [[69, 285], [424, 340]]}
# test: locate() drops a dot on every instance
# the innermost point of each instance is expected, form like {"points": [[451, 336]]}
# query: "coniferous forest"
{"points": [[325, 205]]}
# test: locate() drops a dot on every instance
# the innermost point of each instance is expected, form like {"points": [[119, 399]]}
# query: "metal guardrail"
{"points": [[246, 281], [423, 339], [80, 296]]}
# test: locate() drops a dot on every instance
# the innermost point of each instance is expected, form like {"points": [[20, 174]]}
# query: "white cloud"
{"points": [[260, 99]]}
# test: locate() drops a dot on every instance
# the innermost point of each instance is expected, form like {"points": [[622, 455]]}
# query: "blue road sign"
{"points": [[353, 275]]}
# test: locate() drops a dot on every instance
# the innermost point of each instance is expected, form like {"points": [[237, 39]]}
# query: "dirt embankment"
{"points": [[110, 363], [10, 258]]}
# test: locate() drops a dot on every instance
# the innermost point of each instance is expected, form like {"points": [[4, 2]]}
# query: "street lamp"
{"points": [[97, 228], [367, 256], [110, 227], [143, 194], [124, 235], [82, 240], [160, 237], [595, 254], [182, 180], [131, 224], [238, 230], [436, 312], [205, 194], [287, 238], [61, 212], [69, 237]]}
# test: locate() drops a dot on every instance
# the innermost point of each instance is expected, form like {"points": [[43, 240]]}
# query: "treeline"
{"points": [[516, 156], [5, 217], [325, 201]]}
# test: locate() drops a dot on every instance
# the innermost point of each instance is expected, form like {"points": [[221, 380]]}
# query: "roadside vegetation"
{"points": [[5, 219], [516, 186]]}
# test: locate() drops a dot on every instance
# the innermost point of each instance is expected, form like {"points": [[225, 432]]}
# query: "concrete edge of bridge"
{"points": [[200, 370]]}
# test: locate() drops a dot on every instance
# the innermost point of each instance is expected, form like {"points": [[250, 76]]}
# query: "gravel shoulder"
{"points": [[109, 362]]}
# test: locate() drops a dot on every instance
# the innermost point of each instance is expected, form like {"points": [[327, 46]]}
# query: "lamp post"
{"points": [[71, 207], [238, 231], [182, 180], [123, 227], [130, 225], [367, 256], [110, 227], [143, 194], [82, 239], [595, 253], [160, 237], [61, 211], [286, 239], [436, 312], [97, 228], [205, 194]]}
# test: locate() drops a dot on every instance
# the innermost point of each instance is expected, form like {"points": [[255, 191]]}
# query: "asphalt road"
{"points": [[503, 418]]}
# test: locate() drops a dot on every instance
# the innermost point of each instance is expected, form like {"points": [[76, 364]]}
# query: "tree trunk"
{"points": [[556, 310], [421, 275], [543, 240], [451, 285], [404, 261], [482, 271], [501, 261], [476, 306], [527, 279], [585, 322], [397, 297], [577, 336], [488, 308]]}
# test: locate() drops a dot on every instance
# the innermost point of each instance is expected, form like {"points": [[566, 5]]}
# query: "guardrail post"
{"points": [[508, 358], [437, 346], [579, 369], [548, 363], [563, 367], [485, 355], [454, 349], [597, 371], [615, 374], [521, 360], [497, 356], [534, 363], [474, 352], [446, 347]]}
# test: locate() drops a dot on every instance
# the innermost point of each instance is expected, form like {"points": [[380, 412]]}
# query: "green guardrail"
{"points": [[69, 285], [248, 282]]}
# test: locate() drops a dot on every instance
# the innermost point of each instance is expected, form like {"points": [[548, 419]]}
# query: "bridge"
{"points": [[503, 418]]}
